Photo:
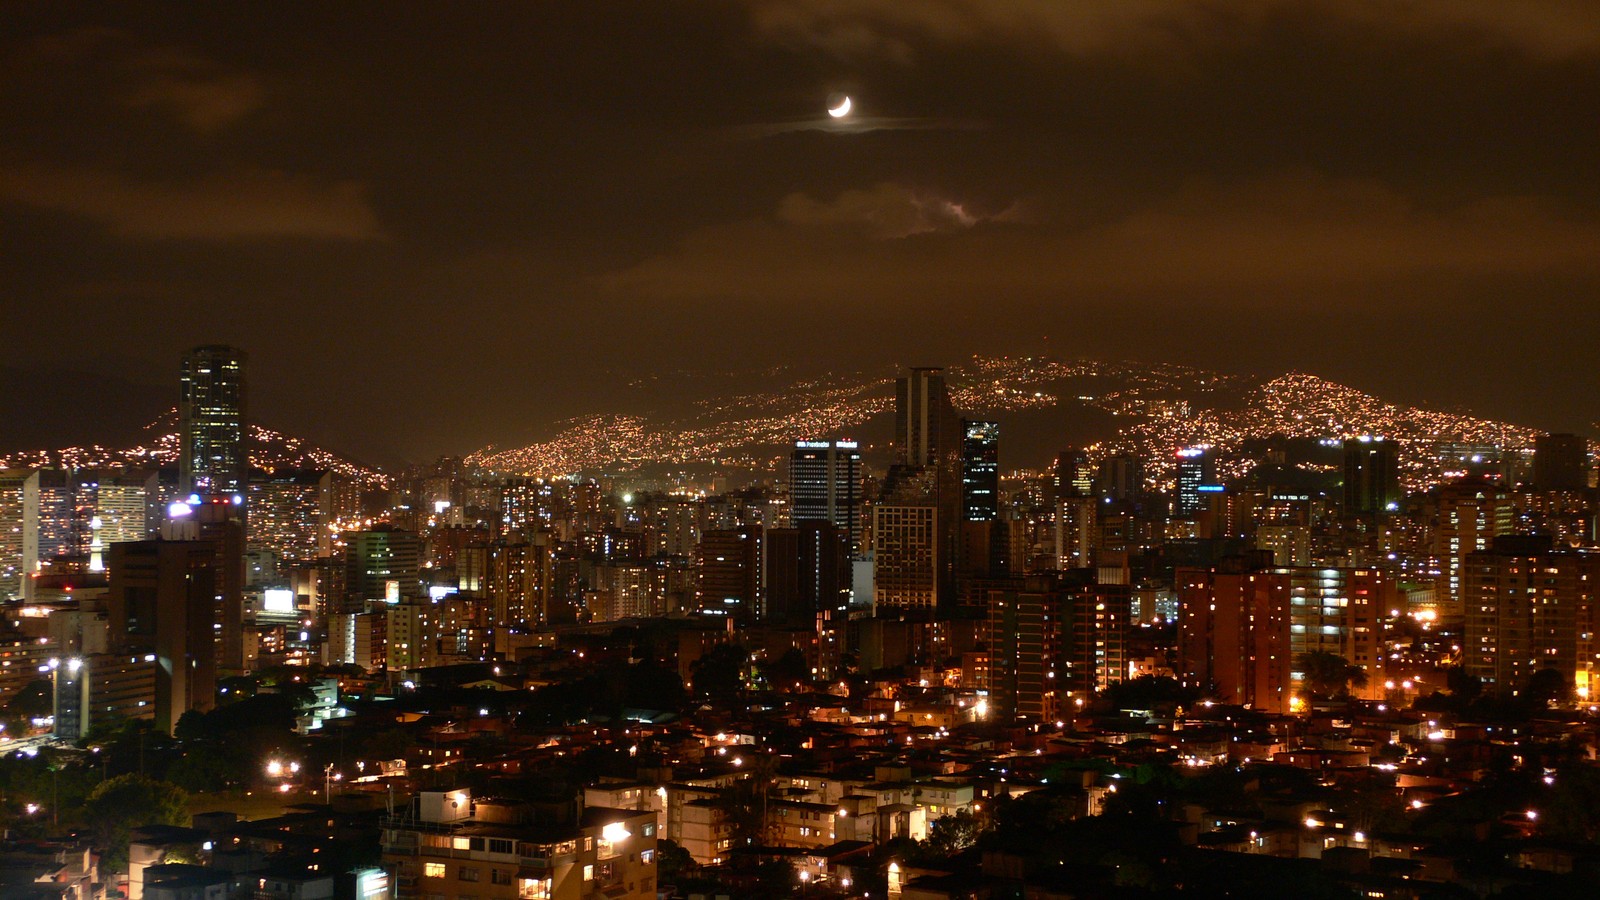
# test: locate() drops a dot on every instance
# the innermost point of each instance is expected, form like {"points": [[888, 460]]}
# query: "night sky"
{"points": [[433, 224]]}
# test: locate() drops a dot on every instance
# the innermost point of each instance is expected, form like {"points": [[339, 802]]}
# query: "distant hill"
{"points": [[156, 445], [1042, 404]]}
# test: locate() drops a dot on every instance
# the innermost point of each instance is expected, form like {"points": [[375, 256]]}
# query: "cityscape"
{"points": [[950, 450]]}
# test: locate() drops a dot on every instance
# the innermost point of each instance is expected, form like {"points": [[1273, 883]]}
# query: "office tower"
{"points": [[1075, 531], [806, 575], [729, 577], [162, 601], [1371, 476], [214, 454], [383, 563], [1464, 517], [290, 511], [1529, 608], [217, 521], [1233, 634], [825, 485], [1119, 477], [1073, 475], [908, 557], [12, 487], [927, 430], [1196, 472], [980, 471], [1560, 462], [1339, 611]]}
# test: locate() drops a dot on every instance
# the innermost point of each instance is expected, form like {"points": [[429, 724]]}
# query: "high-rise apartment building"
{"points": [[1464, 517], [1233, 634], [729, 577], [980, 471], [1052, 638], [12, 486], [1529, 608], [825, 486], [1371, 476], [1339, 611], [212, 425]]}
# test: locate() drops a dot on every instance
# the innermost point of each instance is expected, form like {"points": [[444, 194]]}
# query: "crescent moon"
{"points": [[842, 110]]}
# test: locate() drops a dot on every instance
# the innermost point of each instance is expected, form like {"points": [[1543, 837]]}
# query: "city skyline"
{"points": [[434, 210]]}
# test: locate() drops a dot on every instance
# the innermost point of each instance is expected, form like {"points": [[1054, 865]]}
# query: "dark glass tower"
{"points": [[1371, 476], [211, 422], [980, 471]]}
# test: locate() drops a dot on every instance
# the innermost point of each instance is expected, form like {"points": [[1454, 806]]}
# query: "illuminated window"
{"points": [[588, 873], [461, 843], [433, 870], [534, 889]]}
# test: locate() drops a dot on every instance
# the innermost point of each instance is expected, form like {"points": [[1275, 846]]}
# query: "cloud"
{"points": [[201, 93], [886, 210], [238, 205], [195, 91], [892, 28], [1240, 244]]}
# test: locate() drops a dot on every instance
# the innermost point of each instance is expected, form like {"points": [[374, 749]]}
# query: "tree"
{"points": [[1329, 674], [1548, 687], [949, 835], [121, 804], [720, 674]]}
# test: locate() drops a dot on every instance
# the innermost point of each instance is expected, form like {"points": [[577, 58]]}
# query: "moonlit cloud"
{"points": [[1292, 233]]}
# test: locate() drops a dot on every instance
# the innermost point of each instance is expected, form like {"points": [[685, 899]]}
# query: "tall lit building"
{"points": [[805, 575], [825, 486], [214, 456], [1119, 477], [980, 471], [729, 577], [217, 522], [1052, 638], [1196, 472], [55, 519], [1339, 611], [1529, 608], [1073, 475], [1464, 517], [1371, 476], [384, 563], [289, 513], [12, 486]]}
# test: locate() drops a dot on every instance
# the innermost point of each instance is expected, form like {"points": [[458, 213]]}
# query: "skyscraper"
{"points": [[1560, 462], [825, 486], [1195, 473], [211, 422], [1371, 476], [980, 471], [925, 424]]}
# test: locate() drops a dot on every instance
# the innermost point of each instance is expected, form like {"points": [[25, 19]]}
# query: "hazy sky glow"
{"points": [[440, 225]]}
